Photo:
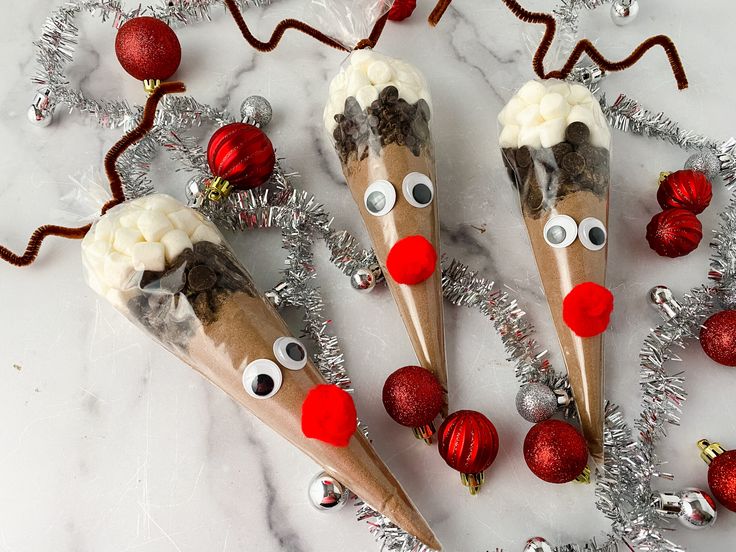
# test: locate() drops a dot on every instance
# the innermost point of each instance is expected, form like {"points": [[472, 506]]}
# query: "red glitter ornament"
{"points": [[413, 397], [721, 472], [401, 9], [674, 233], [328, 414], [718, 337], [240, 156], [411, 260], [468, 442], [685, 189], [587, 309], [555, 451], [147, 48]]}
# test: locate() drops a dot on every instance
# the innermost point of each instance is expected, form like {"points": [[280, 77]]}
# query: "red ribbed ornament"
{"points": [[242, 154], [674, 232], [685, 189], [468, 442], [147, 48], [555, 451]]}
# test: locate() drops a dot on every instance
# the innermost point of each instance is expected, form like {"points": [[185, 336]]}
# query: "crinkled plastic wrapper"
{"points": [[555, 143], [171, 273], [378, 116]]}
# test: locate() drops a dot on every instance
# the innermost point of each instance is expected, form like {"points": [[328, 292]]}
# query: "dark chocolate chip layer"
{"points": [[544, 175]]}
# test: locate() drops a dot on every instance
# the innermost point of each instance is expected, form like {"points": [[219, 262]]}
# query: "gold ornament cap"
{"points": [[584, 477], [709, 451]]}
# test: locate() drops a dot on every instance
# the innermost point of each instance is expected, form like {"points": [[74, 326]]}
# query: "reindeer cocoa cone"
{"points": [[378, 115], [171, 273], [555, 143]]}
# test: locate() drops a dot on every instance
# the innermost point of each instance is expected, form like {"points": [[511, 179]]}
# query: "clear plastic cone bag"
{"points": [[171, 273], [378, 115], [555, 143]]}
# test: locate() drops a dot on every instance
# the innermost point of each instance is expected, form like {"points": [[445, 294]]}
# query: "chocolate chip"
{"points": [[577, 133], [573, 163], [561, 150], [524, 156], [201, 278]]}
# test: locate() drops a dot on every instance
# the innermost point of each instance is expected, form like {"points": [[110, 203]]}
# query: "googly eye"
{"points": [[379, 198], [592, 234], [290, 353], [418, 189], [262, 379], [560, 231]]}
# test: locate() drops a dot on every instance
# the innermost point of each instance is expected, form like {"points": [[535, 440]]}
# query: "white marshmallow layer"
{"points": [[539, 113], [142, 234], [364, 74]]}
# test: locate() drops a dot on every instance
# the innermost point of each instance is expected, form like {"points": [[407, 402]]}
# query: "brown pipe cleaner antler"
{"points": [[116, 185], [302, 27], [582, 47]]}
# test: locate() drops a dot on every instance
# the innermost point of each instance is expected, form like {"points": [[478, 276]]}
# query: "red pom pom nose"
{"points": [[411, 260], [587, 309], [328, 414]]}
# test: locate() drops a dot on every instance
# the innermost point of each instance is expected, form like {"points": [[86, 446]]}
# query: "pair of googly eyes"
{"points": [[380, 196], [262, 378], [561, 231]]}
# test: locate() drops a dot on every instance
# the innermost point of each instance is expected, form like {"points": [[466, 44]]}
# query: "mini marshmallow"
{"points": [[529, 116], [153, 225], [410, 95], [581, 114], [366, 96], [552, 132], [130, 220], [379, 72], [163, 203], [104, 230], [511, 111], [185, 219], [126, 238], [532, 92], [562, 88], [579, 94], [529, 136], [174, 242], [357, 80], [118, 270], [205, 232], [359, 57], [97, 249], [509, 137], [553, 106], [149, 256]]}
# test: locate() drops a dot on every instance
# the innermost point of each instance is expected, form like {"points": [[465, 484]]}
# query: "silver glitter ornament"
{"points": [[698, 509], [38, 117], [537, 544], [624, 12], [705, 162], [662, 299], [256, 111], [536, 402], [365, 279], [326, 494]]}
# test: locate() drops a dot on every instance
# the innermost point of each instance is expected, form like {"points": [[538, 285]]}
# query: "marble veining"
{"points": [[111, 444]]}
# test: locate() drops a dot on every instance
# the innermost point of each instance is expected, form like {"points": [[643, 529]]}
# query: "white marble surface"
{"points": [[107, 443]]}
